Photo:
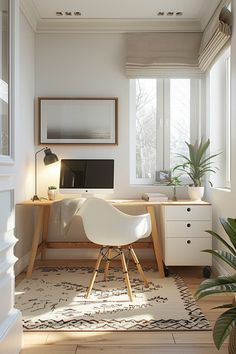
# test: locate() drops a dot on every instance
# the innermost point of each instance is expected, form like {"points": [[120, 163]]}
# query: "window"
{"points": [[4, 81], [227, 122], [220, 120], [164, 115]]}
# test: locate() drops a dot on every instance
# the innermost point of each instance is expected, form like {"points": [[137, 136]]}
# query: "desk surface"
{"points": [[128, 202]]}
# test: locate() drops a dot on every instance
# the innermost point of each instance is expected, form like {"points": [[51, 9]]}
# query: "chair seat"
{"points": [[106, 225]]}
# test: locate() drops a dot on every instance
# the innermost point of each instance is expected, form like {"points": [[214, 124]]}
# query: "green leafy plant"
{"points": [[197, 164], [52, 188], [174, 181], [226, 323]]}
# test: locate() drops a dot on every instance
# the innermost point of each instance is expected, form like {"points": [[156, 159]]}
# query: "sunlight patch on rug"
{"points": [[54, 299]]}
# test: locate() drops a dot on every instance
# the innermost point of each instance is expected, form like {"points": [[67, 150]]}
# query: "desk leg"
{"points": [[46, 215], [156, 241], [35, 242]]}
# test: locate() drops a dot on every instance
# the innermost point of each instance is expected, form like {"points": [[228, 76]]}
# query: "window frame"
{"points": [[227, 176], [163, 122]]}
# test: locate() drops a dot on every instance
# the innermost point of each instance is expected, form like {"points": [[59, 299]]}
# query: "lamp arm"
{"points": [[35, 170]]}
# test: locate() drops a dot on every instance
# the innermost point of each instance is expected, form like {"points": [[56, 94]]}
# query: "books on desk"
{"points": [[155, 197]]}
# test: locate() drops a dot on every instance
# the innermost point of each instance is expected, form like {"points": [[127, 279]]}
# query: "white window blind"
{"points": [[215, 37], [161, 54], [178, 54]]}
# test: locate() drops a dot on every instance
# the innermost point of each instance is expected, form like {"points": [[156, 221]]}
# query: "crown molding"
{"points": [[30, 11], [115, 26]]}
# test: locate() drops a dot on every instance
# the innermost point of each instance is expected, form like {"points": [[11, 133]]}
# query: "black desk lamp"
{"points": [[48, 159]]}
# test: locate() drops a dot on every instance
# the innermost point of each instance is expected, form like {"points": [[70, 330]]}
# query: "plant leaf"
{"points": [[214, 234], [222, 284], [225, 306], [229, 230], [225, 256], [223, 326], [232, 223]]}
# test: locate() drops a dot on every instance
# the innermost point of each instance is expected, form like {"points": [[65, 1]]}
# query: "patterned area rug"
{"points": [[54, 299]]}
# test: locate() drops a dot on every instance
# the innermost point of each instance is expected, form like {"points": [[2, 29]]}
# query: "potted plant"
{"points": [[174, 181], [52, 191], [196, 166], [226, 323]]}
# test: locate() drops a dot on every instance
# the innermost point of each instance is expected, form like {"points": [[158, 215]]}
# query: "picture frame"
{"points": [[163, 176], [78, 120]]}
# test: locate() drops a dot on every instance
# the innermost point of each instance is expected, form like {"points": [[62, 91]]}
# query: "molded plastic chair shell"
{"points": [[106, 225]]}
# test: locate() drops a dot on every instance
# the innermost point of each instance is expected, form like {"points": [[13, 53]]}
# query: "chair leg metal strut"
{"points": [[107, 256], [107, 263]]}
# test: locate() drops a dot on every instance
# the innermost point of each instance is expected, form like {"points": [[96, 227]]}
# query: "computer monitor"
{"points": [[86, 176]]}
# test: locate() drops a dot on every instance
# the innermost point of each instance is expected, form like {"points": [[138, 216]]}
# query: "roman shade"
{"points": [[162, 53], [215, 37], [178, 54]]}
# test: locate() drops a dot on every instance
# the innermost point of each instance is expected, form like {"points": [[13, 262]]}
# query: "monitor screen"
{"points": [[86, 175]]}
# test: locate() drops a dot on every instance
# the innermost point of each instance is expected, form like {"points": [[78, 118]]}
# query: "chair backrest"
{"points": [[106, 225]]}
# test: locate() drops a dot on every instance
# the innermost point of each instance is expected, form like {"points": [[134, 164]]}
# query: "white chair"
{"points": [[112, 229]]}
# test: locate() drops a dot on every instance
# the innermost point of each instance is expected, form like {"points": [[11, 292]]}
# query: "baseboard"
{"points": [[11, 333], [21, 263]]}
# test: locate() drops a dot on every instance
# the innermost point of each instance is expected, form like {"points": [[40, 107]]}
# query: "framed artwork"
{"points": [[163, 176], [78, 120]]}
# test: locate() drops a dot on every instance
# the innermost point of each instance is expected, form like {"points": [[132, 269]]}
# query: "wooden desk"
{"points": [[42, 222]]}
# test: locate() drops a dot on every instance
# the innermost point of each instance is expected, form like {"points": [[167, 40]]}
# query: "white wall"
{"points": [[24, 133], [24, 129], [89, 65]]}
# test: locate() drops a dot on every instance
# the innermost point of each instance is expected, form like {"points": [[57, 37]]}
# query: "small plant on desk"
{"points": [[52, 191], [174, 181]]}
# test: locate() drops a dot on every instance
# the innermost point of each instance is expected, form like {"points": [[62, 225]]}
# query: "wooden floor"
{"points": [[132, 342]]}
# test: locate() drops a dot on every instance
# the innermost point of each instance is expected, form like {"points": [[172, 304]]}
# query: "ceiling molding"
{"points": [[31, 13], [115, 25]]}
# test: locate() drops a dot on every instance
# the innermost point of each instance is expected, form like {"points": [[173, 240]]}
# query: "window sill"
{"points": [[221, 189]]}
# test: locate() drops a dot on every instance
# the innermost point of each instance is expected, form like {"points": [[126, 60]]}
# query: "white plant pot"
{"points": [[52, 194], [195, 193]]}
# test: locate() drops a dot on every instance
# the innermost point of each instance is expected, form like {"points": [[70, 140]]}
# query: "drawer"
{"points": [[188, 212], [191, 228], [187, 251]]}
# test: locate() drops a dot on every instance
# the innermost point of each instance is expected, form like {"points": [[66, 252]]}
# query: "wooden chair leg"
{"points": [[126, 275], [106, 269], [138, 265], [94, 273]]}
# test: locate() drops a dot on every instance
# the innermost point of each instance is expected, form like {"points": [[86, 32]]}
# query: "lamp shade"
{"points": [[49, 157]]}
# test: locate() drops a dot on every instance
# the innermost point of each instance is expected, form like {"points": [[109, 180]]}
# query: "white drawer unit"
{"points": [[183, 234]]}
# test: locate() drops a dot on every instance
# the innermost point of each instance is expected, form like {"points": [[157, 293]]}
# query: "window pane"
{"points": [[145, 128], [4, 118], [179, 119], [228, 125]]}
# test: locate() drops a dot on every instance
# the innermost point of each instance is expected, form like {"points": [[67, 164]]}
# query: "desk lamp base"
{"points": [[35, 197]]}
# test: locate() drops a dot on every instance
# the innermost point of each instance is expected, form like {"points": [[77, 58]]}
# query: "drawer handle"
{"points": [[188, 209], [188, 225], [188, 242]]}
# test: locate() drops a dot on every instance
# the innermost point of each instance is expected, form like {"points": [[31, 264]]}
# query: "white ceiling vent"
{"points": [[170, 13], [68, 13]]}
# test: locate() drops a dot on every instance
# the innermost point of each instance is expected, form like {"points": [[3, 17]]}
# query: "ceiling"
{"points": [[118, 15]]}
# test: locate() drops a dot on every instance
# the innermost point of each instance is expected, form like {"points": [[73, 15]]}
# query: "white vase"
{"points": [[52, 194], [195, 193]]}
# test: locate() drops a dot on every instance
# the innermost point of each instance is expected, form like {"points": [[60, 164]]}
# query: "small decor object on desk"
{"points": [[52, 191], [226, 323], [162, 176], [155, 197], [196, 166]]}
